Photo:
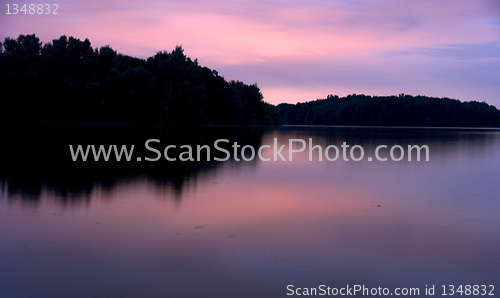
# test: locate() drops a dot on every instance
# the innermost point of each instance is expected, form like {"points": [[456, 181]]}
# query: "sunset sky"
{"points": [[300, 50]]}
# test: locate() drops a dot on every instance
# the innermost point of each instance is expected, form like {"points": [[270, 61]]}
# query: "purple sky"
{"points": [[301, 50]]}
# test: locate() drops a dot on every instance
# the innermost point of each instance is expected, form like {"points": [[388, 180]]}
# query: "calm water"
{"points": [[245, 229]]}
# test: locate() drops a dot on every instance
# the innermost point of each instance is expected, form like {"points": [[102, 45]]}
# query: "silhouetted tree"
{"points": [[67, 80]]}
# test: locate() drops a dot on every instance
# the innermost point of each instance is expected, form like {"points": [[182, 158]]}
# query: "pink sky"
{"points": [[301, 50]]}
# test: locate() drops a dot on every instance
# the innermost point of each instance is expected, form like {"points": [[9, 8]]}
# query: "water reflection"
{"points": [[36, 159], [248, 229]]}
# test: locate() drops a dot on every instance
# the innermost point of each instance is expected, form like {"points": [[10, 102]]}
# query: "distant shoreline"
{"points": [[391, 111]]}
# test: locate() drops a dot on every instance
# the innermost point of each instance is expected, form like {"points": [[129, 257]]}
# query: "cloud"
{"points": [[481, 51]]}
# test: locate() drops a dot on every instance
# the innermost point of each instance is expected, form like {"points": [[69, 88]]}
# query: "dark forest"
{"points": [[402, 110], [69, 81]]}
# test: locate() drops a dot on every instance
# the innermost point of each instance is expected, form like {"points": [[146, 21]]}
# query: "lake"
{"points": [[246, 228]]}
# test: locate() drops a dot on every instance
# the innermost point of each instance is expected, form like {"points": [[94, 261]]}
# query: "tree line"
{"points": [[402, 110], [67, 80]]}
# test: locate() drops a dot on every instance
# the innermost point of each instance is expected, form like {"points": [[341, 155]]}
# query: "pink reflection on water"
{"points": [[264, 225]]}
